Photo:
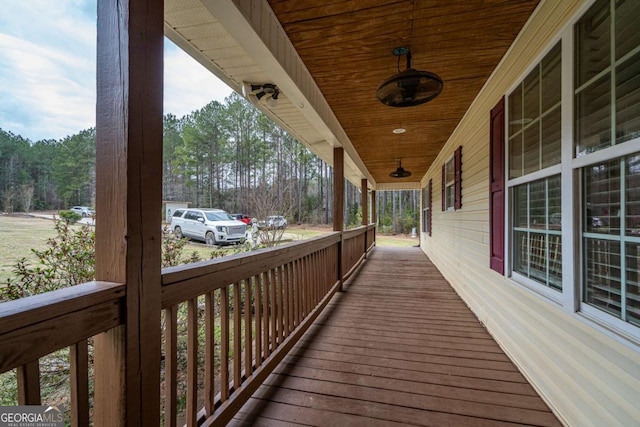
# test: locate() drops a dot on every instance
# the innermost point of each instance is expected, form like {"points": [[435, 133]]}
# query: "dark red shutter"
{"points": [[496, 188], [457, 167], [430, 207], [444, 183]]}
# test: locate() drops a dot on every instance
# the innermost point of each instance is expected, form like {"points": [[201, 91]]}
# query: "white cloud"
{"points": [[47, 70], [187, 84]]}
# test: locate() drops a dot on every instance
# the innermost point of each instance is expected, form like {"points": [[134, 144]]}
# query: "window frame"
{"points": [[449, 165], [511, 184], [427, 208]]}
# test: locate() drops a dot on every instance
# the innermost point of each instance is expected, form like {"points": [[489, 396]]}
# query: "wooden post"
{"points": [[128, 207], [338, 189], [365, 210], [338, 201], [374, 219], [365, 201]]}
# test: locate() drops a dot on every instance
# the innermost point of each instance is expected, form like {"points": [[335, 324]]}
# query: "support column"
{"points": [[338, 203], [374, 219], [338, 189], [365, 201], [128, 207]]}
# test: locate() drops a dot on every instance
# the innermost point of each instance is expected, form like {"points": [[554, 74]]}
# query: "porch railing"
{"points": [[243, 314]]}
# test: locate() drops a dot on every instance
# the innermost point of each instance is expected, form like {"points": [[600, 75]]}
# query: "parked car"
{"points": [[243, 218], [212, 226], [273, 221], [85, 211]]}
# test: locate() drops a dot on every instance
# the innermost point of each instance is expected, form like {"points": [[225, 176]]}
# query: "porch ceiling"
{"points": [[346, 47]]}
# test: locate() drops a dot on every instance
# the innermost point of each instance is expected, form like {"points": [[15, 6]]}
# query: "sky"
{"points": [[48, 77]]}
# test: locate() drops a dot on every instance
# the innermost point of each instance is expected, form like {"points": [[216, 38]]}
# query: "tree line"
{"points": [[226, 155]]}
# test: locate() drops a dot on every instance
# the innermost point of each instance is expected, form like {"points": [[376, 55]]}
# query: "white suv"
{"points": [[212, 226]]}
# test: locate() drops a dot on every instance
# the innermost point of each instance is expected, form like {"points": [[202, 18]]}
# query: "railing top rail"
{"points": [[34, 309], [347, 234], [206, 276]]}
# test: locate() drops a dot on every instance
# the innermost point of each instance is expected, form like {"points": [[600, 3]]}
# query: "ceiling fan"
{"points": [[400, 172], [410, 87]]}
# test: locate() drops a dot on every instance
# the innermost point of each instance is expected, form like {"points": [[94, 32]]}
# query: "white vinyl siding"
{"points": [[585, 363]]}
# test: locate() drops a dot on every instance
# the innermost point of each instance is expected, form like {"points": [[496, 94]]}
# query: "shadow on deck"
{"points": [[398, 346]]}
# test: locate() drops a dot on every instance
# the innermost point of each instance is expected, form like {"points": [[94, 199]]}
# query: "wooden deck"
{"points": [[398, 346]]}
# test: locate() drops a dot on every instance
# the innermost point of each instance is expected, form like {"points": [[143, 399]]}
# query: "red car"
{"points": [[242, 217]]}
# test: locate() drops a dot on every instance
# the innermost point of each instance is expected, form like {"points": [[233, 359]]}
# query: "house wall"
{"points": [[587, 374]]}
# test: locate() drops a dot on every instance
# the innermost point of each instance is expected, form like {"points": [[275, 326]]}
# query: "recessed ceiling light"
{"points": [[399, 130]]}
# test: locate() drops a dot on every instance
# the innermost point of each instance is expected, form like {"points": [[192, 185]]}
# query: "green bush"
{"points": [[70, 217]]}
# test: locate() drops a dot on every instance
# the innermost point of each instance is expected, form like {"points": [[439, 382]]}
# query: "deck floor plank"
{"points": [[398, 346]]}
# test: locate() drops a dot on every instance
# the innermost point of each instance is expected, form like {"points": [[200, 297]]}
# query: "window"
{"points": [[607, 74], [611, 237], [449, 184], [452, 182], [537, 237], [607, 116], [534, 158], [534, 118], [426, 208]]}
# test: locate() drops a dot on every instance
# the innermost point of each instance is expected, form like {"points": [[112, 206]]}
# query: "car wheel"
{"points": [[209, 238], [177, 232], [84, 215]]}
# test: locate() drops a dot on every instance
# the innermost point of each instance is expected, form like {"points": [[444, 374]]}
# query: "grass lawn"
{"points": [[20, 233]]}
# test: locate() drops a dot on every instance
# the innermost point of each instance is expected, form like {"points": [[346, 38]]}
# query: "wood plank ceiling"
{"points": [[347, 46]]}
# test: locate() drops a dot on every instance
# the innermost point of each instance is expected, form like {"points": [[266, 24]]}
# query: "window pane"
{"points": [[593, 42], [532, 96], [515, 110], [628, 100], [602, 194], [521, 211], [632, 195], [532, 147], [521, 252], [537, 253], [593, 117], [551, 137], [537, 205], [633, 286], [450, 196], [554, 202], [515, 156], [538, 257], [551, 78], [627, 34], [449, 172], [555, 261], [602, 281]]}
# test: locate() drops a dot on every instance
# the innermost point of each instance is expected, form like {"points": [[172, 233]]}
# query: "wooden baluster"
{"points": [[258, 317], [29, 383], [296, 293], [273, 315], [79, 378], [192, 361], [280, 290], [288, 303], [237, 336], [248, 336], [224, 344], [171, 367], [265, 315], [209, 353]]}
